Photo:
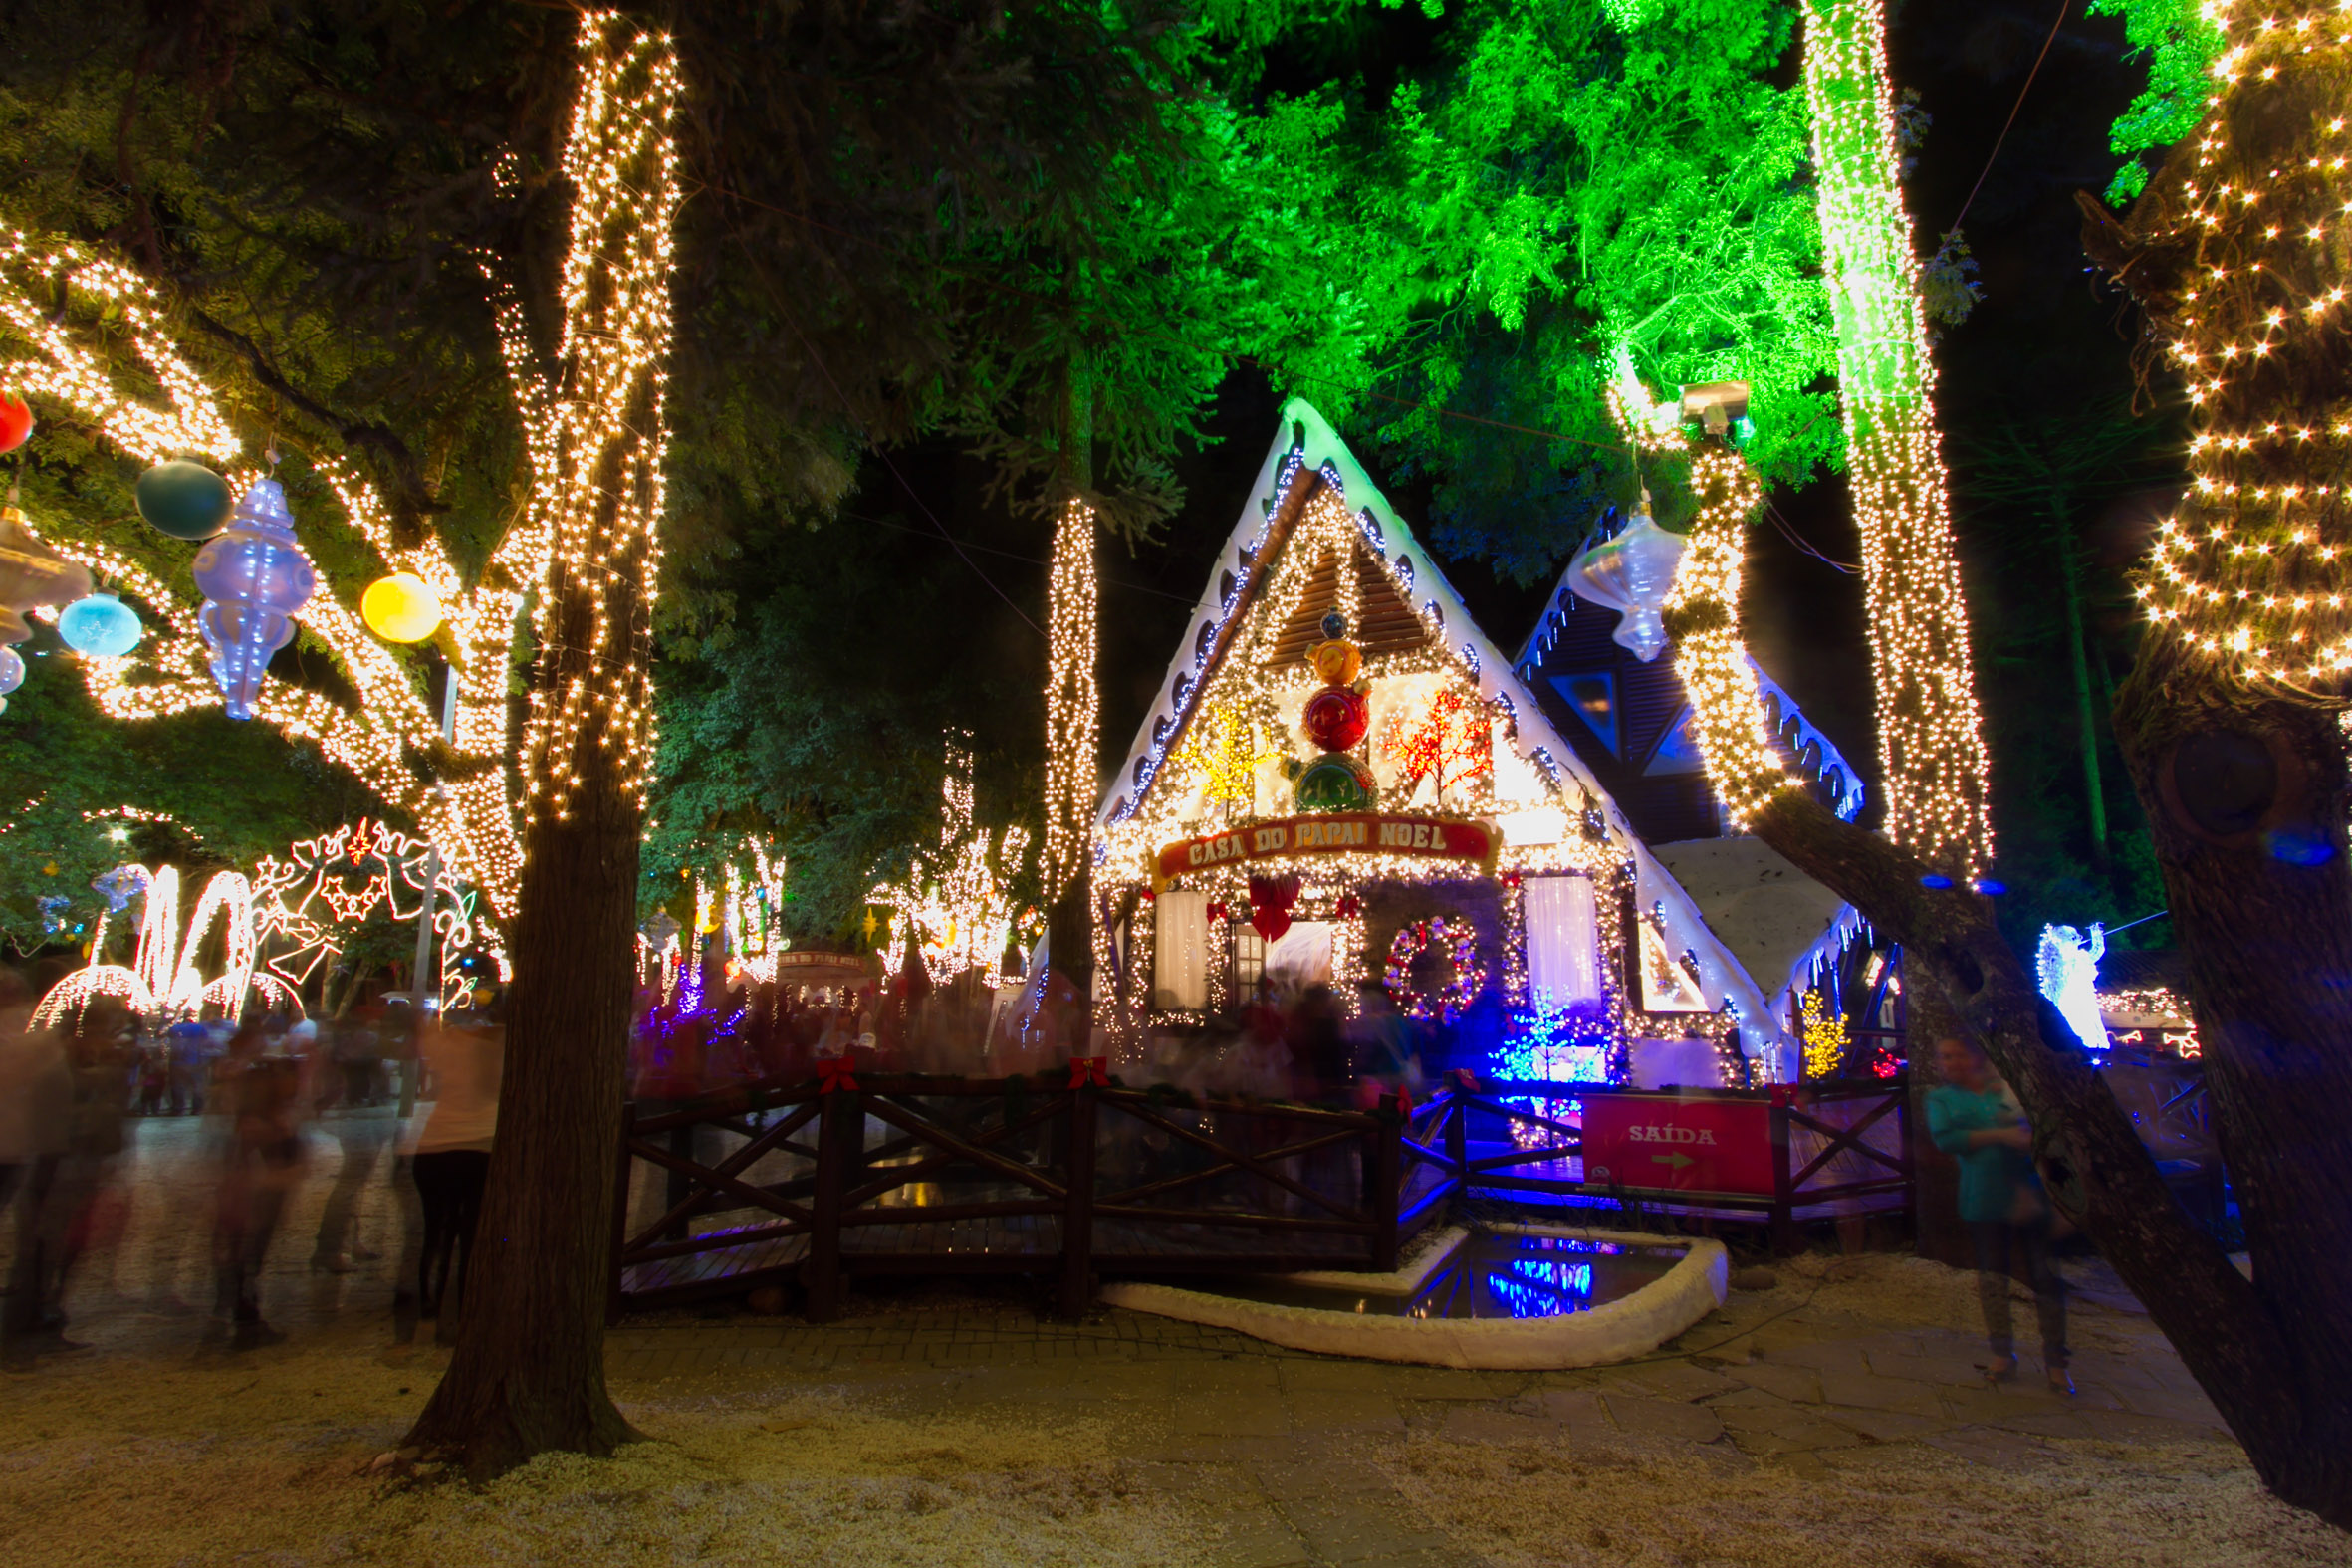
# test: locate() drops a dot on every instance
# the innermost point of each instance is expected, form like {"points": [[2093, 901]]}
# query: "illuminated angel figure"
{"points": [[1228, 750], [341, 878], [2071, 979]]}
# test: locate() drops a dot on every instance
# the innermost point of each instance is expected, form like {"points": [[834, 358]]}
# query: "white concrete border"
{"points": [[1613, 1331]]}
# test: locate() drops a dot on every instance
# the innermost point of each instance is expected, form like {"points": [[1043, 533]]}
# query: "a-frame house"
{"points": [[1343, 782]]}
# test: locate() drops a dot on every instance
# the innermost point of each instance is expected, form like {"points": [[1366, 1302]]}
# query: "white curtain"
{"points": [[1180, 951], [1563, 941]]}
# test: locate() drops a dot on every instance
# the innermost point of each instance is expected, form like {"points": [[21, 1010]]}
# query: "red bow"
{"points": [[1217, 911], [1270, 899], [1089, 1069], [1349, 906], [1404, 1101], [1465, 1080], [833, 1073]]}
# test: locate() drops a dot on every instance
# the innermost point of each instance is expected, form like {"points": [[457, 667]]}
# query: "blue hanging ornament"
{"points": [[100, 625], [253, 578], [12, 673]]}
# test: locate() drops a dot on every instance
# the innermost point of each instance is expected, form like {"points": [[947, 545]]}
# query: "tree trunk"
{"points": [[2247, 804], [2238, 1343], [529, 1371]]}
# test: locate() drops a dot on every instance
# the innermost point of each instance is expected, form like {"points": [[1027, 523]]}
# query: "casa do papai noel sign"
{"points": [[1352, 833]]}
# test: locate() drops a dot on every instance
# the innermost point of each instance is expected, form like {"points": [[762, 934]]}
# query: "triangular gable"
{"points": [[1307, 458]]}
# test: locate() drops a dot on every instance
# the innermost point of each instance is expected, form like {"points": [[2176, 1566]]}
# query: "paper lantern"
{"points": [[100, 625], [253, 578], [183, 498], [402, 607], [16, 422], [1631, 574]]}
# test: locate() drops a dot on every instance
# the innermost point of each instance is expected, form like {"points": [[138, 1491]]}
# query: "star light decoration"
{"points": [[1929, 737], [2249, 573], [584, 554], [1074, 704], [957, 900]]}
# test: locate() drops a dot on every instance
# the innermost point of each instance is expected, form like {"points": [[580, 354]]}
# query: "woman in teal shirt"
{"points": [[1972, 1117]]}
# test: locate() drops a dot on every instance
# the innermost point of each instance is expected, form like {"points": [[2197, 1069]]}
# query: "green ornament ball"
{"points": [[1335, 783], [184, 500]]}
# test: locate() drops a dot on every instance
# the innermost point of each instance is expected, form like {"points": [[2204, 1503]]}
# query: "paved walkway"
{"points": [[1794, 1377], [1843, 1360]]}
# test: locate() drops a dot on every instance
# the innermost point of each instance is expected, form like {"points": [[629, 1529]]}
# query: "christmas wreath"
{"points": [[1447, 1001]]}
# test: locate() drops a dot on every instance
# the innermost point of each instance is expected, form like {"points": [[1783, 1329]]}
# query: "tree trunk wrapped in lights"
{"points": [[2230, 721], [529, 1373], [1073, 706], [1931, 745]]}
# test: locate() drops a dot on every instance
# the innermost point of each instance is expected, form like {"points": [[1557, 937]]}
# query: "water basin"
{"points": [[1490, 1275]]}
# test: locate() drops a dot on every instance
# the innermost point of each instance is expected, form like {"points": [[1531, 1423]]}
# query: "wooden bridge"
{"points": [[815, 1180]]}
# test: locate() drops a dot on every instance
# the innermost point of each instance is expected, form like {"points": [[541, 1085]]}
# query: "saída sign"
{"points": [[1351, 832], [1665, 1143]]}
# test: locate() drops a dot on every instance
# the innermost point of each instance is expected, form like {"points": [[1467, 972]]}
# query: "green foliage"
{"points": [[823, 722], [2181, 45], [1559, 190]]}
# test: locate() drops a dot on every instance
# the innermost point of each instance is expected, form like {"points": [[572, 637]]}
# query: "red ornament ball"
{"points": [[16, 422], [1336, 718]]}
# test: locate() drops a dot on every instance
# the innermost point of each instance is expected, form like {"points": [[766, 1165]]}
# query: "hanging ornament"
{"points": [[1335, 782], [12, 673], [32, 573], [402, 607], [16, 421], [184, 500], [254, 577], [1334, 718], [1633, 575], [100, 626]]}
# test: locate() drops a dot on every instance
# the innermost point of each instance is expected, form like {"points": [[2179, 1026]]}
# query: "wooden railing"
{"points": [[819, 1180]]}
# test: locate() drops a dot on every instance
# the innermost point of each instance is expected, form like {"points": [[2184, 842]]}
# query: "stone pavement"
{"points": [[1272, 1441]]}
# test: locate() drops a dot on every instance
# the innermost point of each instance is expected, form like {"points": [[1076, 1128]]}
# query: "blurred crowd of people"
{"points": [[273, 1097], [1288, 1045]]}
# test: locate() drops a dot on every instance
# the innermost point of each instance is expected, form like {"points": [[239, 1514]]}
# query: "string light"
{"points": [[1824, 1038], [585, 551], [589, 542], [2248, 574], [957, 901], [1072, 702], [1931, 741]]}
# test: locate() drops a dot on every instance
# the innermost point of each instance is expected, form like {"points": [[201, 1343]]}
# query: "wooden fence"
{"points": [[879, 1173]]}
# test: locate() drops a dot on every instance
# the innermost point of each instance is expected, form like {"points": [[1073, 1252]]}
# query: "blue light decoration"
{"points": [[1547, 1046], [100, 625], [1934, 879], [254, 577], [12, 673]]}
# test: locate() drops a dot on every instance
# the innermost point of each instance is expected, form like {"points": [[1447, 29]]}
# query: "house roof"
{"points": [[1778, 922], [1305, 447]]}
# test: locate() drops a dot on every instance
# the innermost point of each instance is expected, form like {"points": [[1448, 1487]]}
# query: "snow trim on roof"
{"points": [[1304, 446]]}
